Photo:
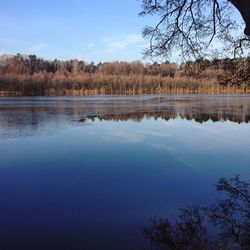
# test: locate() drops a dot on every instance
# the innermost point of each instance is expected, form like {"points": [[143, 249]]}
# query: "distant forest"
{"points": [[30, 75]]}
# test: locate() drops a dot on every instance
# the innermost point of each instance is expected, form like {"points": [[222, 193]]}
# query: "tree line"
{"points": [[31, 75]]}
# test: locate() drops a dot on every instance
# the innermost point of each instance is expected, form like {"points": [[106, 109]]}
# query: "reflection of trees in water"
{"points": [[228, 217], [36, 113], [137, 117]]}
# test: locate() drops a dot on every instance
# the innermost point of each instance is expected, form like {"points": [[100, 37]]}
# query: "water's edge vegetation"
{"points": [[29, 75]]}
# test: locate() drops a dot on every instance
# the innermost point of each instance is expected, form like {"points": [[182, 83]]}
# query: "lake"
{"points": [[90, 172]]}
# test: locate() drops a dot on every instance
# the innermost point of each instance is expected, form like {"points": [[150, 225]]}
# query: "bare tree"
{"points": [[188, 233], [244, 9], [224, 225], [192, 27], [232, 214]]}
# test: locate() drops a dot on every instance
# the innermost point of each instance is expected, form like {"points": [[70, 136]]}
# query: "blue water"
{"points": [[90, 172]]}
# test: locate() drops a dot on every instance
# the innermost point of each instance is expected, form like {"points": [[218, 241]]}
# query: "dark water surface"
{"points": [[90, 172]]}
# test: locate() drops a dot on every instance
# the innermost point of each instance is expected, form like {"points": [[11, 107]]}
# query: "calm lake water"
{"points": [[90, 172]]}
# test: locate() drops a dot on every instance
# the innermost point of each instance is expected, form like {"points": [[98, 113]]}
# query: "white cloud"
{"points": [[122, 42], [91, 45], [124, 137], [156, 134], [37, 48]]}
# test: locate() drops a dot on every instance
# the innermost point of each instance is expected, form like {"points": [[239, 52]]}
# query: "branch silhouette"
{"points": [[196, 225], [190, 27]]}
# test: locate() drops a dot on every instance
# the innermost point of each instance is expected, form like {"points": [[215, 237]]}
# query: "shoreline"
{"points": [[53, 92]]}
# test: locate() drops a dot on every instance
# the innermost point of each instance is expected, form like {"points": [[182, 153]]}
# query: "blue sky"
{"points": [[92, 30]]}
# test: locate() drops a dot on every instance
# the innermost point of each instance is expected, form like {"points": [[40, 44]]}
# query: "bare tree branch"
{"points": [[193, 26]]}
